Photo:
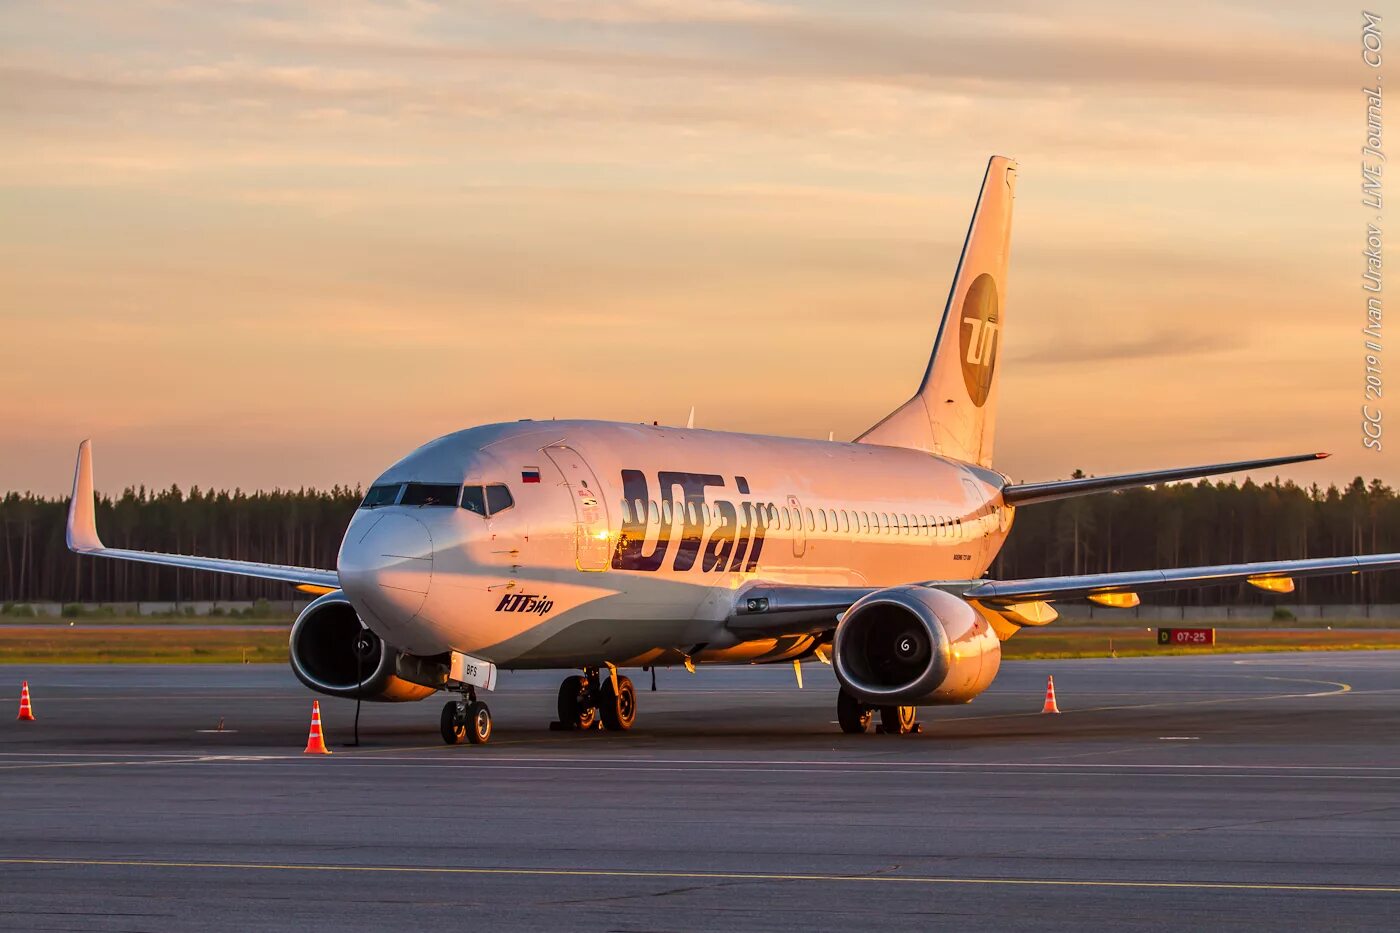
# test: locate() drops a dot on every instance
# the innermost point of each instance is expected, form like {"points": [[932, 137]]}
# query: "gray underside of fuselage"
{"points": [[596, 642]]}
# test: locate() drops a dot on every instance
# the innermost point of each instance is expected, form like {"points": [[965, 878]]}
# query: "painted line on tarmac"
{"points": [[635, 767], [643, 874], [714, 763]]}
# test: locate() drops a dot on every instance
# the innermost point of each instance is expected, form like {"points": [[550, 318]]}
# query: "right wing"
{"points": [[83, 539], [1031, 493]]}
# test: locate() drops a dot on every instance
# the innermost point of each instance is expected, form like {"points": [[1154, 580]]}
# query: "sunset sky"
{"points": [[250, 247]]}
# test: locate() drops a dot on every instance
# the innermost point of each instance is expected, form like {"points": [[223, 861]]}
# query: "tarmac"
{"points": [[1220, 792]]}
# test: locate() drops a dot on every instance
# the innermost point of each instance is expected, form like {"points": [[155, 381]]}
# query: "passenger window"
{"points": [[787, 519], [639, 509], [690, 515], [845, 522], [811, 519], [474, 499], [498, 499], [430, 494], [705, 514], [653, 513], [386, 494], [666, 512], [626, 512], [772, 516]]}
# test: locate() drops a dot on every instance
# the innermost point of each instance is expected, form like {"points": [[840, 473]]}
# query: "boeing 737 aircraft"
{"points": [[593, 546]]}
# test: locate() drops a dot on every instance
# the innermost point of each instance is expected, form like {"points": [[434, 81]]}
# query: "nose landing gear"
{"points": [[467, 718]]}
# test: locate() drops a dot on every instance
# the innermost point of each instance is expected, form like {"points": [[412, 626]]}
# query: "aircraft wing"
{"points": [[83, 539], [1031, 493], [772, 610], [1137, 581]]}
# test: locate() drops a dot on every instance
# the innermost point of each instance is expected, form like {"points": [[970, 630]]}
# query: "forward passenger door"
{"points": [[592, 534]]}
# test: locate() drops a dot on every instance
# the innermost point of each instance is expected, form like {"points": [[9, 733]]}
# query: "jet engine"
{"points": [[914, 646], [332, 653]]}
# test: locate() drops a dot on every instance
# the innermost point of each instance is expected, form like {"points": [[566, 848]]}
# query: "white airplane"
{"points": [[595, 546]]}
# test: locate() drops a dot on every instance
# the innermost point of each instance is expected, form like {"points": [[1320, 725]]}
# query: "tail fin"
{"points": [[954, 412]]}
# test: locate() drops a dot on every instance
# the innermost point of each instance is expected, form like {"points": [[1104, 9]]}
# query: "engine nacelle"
{"points": [[914, 646], [332, 653]]}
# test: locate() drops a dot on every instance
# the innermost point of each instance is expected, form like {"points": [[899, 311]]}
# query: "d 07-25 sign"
{"points": [[1186, 637]]}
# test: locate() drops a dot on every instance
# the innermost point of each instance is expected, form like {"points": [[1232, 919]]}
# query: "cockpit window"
{"points": [[498, 498], [474, 499], [386, 494], [430, 494], [487, 500]]}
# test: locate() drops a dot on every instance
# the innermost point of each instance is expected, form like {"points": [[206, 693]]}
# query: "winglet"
{"points": [[82, 512]]}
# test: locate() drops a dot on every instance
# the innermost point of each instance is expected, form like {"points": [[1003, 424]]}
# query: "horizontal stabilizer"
{"points": [[1031, 493], [83, 539]]}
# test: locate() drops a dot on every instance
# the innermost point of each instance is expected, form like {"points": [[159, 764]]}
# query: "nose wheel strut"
{"points": [[467, 718]]}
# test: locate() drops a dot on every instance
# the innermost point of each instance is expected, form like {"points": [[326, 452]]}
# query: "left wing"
{"points": [[1135, 581], [82, 539], [771, 610]]}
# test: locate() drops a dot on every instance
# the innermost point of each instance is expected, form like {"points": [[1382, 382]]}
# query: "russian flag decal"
{"points": [[530, 475]]}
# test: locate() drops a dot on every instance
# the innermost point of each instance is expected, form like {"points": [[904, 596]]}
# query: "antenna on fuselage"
{"points": [[690, 422]]}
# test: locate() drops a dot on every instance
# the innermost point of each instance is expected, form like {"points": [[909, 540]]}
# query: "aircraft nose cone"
{"points": [[386, 567]]}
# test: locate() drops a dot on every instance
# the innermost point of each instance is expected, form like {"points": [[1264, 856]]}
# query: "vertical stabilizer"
{"points": [[954, 411]]}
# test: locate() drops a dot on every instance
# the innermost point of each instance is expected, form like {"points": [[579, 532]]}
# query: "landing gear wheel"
{"points": [[576, 704], [619, 710], [478, 724], [853, 715], [897, 720], [454, 722]]}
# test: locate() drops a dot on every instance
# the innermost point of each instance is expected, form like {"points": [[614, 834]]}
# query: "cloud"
{"points": [[650, 11], [1179, 343]]}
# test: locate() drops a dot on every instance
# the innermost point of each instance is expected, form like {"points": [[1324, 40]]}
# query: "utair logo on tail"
{"points": [[978, 338]]}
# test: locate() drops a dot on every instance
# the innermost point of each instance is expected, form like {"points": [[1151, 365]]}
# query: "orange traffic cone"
{"points": [[316, 742], [26, 712], [1050, 705]]}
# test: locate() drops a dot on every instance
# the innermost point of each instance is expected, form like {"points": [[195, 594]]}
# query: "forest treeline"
{"points": [[1168, 526]]}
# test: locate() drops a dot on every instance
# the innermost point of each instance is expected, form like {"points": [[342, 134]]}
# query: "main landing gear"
{"points": [[854, 716], [589, 700], [467, 718]]}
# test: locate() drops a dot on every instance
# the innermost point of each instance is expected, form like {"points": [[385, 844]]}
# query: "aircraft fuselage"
{"points": [[626, 543]]}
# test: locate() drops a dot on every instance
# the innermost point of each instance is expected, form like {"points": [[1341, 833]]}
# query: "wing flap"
{"points": [[83, 539]]}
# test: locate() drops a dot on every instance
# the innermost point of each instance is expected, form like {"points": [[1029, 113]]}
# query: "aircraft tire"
{"points": [[897, 720], [619, 710], [478, 723], [853, 715], [576, 705], [454, 723]]}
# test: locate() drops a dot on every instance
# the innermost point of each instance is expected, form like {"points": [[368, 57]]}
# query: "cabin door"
{"points": [[592, 538]]}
